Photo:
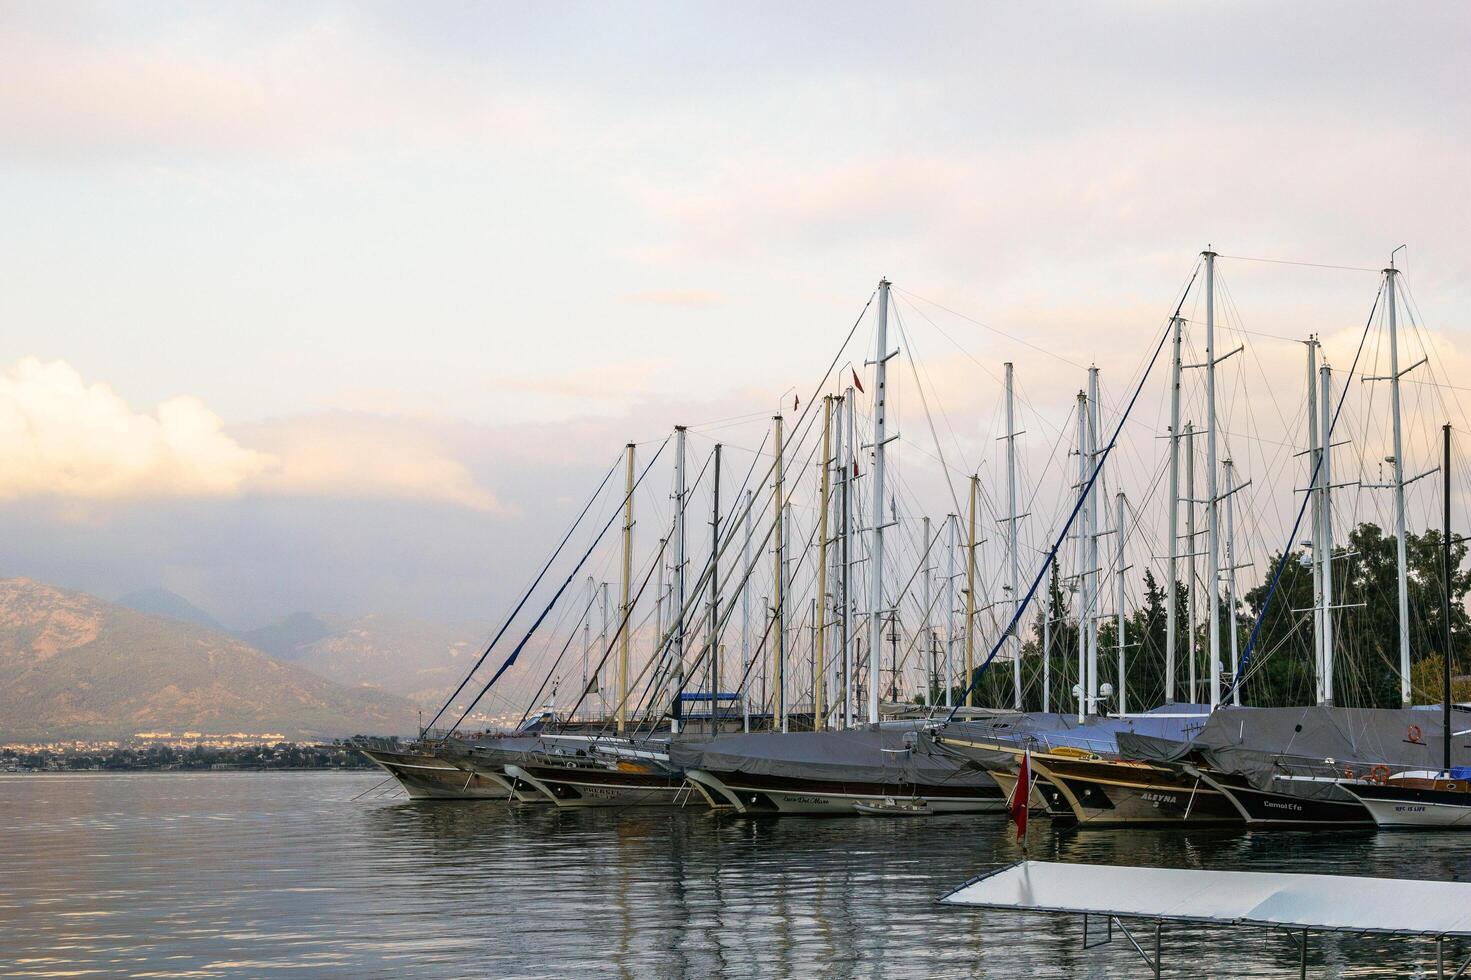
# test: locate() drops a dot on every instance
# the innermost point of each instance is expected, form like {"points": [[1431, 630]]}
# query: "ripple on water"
{"points": [[175, 875]]}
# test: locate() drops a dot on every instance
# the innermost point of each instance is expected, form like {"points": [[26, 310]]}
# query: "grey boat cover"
{"points": [[1323, 742], [891, 754], [1038, 730]]}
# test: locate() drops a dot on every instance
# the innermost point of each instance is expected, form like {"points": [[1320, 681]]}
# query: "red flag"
{"points": [[1020, 794], [856, 383]]}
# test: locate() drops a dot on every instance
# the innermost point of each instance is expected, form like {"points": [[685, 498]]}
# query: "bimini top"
{"points": [[1325, 903]]}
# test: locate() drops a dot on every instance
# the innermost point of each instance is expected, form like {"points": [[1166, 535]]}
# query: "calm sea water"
{"points": [[232, 874]]}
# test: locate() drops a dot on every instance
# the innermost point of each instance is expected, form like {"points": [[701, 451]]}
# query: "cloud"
{"points": [[361, 456], [61, 436]]}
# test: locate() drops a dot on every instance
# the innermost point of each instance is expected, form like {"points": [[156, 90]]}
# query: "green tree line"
{"points": [[1281, 668]]}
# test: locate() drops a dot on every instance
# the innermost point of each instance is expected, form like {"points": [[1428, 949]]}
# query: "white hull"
{"points": [[1404, 814]]}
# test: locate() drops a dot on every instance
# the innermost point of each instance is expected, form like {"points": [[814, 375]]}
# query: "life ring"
{"points": [[1379, 774], [1415, 734]]}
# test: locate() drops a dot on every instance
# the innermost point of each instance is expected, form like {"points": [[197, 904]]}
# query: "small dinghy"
{"points": [[890, 807]]}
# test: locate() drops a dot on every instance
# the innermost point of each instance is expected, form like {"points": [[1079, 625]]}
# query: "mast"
{"points": [[1231, 573], [676, 673], [819, 662], [1190, 544], [953, 521], [1171, 613], [1014, 640], [1391, 288], [929, 681], [587, 679], [1315, 472], [779, 583], [970, 597], [1080, 688], [746, 618], [1119, 570], [1325, 392], [714, 628], [786, 622], [624, 609], [850, 467], [602, 658], [1047, 652], [1445, 607], [1093, 565], [1212, 524], [880, 446]]}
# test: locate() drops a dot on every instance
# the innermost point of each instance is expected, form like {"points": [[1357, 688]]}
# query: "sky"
{"points": [[346, 307]]}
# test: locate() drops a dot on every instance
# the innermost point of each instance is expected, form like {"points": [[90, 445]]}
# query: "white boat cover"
{"points": [[1323, 903]]}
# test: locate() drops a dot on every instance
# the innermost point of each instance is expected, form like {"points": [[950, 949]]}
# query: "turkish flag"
{"points": [[856, 383], [1020, 794]]}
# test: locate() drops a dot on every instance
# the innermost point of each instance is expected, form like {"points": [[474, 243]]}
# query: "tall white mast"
{"points": [[1315, 487], [1391, 288], [850, 704], [880, 445], [929, 647], [1119, 600], [787, 680], [1080, 538], [1190, 545], [1325, 392], [778, 587], [1212, 524], [676, 673], [746, 617], [713, 631], [1171, 612], [1093, 566], [625, 610], [953, 520], [1014, 640], [1231, 574], [819, 638]]}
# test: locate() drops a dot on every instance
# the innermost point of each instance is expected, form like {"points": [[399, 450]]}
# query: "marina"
{"points": [[649, 490]]}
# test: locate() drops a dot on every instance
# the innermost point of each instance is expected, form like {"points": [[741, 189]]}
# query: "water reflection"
{"points": [[260, 875]]}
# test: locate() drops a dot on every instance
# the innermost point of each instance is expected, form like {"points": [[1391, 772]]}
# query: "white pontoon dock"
{"points": [[1297, 904]]}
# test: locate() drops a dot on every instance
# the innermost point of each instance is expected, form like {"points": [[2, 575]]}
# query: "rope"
{"points": [[1077, 506], [527, 595], [570, 576], [1302, 510]]}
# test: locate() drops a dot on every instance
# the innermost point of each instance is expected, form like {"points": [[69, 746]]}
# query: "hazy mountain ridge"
{"points": [[75, 666]]}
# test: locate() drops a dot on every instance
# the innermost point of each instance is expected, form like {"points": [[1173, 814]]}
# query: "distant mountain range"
{"points": [[75, 666], [419, 660]]}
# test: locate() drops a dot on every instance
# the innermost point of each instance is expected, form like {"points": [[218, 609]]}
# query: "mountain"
{"points": [[75, 666], [417, 660], [287, 639], [162, 602]]}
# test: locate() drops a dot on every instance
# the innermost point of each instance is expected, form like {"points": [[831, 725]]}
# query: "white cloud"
{"points": [[61, 436], [362, 456]]}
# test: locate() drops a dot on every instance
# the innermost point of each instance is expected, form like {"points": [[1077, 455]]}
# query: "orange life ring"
{"points": [[1415, 734], [1379, 774]]}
